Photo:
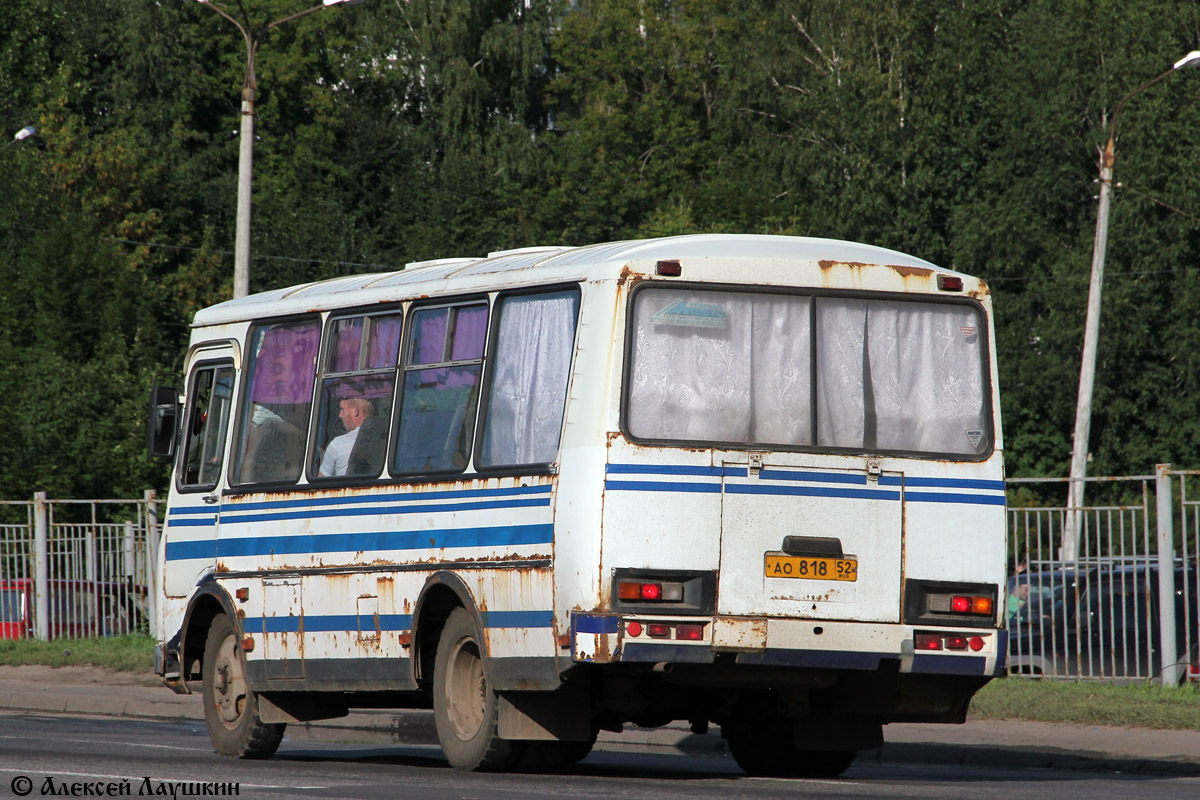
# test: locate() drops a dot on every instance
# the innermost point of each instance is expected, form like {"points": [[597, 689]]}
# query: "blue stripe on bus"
{"points": [[947, 497], [595, 623], [231, 504], [517, 619], [338, 623], [859, 479], [192, 523], [813, 491], [399, 497], [662, 486], [956, 483], [229, 517], [499, 536]]}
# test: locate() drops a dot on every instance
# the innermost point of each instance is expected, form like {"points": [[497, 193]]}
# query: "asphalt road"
{"points": [[80, 756]]}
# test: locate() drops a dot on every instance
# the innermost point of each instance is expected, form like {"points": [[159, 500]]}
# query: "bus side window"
{"points": [[527, 391], [273, 422], [357, 380], [442, 371], [209, 401]]}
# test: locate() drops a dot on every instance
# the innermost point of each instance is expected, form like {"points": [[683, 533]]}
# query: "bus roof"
{"points": [[543, 265]]}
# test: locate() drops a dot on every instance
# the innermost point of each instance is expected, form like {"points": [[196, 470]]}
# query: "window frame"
{"points": [[546, 468], [324, 354], [236, 451], [403, 367], [183, 449], [988, 411]]}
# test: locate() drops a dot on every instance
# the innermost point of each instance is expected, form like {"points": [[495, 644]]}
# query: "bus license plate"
{"points": [[819, 569]]}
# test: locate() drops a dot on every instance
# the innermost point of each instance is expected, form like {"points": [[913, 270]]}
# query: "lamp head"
{"points": [[1192, 59], [24, 133]]}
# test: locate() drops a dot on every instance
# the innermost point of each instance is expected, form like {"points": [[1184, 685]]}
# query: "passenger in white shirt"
{"points": [[353, 412]]}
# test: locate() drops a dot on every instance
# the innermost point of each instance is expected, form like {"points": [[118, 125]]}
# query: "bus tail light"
{"points": [[927, 641], [652, 591], [658, 630], [948, 641], [965, 604], [689, 632]]}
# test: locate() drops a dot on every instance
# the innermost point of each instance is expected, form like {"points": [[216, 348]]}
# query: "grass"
{"points": [[1066, 702], [132, 653], [1089, 703]]}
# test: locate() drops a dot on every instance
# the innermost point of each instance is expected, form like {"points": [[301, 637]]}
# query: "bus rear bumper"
{"points": [[805, 644]]}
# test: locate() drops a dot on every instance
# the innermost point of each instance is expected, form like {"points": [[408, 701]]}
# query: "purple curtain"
{"points": [[285, 363], [470, 332], [347, 336], [384, 343]]}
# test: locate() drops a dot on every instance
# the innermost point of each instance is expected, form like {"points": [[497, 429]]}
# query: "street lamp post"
{"points": [[23, 134], [241, 258], [1091, 334]]}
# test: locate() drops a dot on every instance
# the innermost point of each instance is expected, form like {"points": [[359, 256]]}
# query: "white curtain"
{"points": [[721, 366], [916, 385], [531, 367]]}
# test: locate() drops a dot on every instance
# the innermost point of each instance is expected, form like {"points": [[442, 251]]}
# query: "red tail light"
{"points": [[927, 641], [687, 632]]}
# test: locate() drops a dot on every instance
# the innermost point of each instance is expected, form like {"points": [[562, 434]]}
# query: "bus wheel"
{"points": [[767, 751], [230, 705], [465, 709], [555, 756]]}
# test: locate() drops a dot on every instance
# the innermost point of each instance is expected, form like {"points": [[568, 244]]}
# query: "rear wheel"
{"points": [[766, 750], [465, 708], [230, 705]]}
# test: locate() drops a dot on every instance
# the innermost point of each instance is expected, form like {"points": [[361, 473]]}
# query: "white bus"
{"points": [[754, 481]]}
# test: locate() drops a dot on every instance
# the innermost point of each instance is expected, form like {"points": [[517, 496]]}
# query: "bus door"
{"points": [[811, 543], [194, 512]]}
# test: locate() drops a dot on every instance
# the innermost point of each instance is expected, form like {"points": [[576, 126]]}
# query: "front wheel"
{"points": [[230, 705], [465, 709]]}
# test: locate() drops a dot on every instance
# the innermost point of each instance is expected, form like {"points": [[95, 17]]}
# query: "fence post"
{"points": [[1166, 575], [41, 565], [152, 572]]}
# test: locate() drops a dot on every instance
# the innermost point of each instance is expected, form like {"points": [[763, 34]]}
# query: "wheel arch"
{"points": [[442, 593], [208, 602]]}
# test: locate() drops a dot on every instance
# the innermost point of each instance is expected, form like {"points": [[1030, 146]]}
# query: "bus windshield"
{"points": [[794, 371]]}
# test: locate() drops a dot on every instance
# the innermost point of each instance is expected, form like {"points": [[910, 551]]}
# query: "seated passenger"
{"points": [[353, 412]]}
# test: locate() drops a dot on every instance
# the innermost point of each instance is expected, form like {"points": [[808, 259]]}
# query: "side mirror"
{"points": [[163, 421]]}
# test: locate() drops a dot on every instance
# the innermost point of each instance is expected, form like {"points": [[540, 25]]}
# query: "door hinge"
{"points": [[874, 470], [755, 465]]}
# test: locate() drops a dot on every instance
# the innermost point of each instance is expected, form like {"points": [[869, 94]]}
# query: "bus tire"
{"points": [[230, 705], [465, 708], [767, 751], [554, 756]]}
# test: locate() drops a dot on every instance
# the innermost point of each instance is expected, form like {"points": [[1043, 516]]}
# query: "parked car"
{"points": [[77, 608], [1103, 623]]}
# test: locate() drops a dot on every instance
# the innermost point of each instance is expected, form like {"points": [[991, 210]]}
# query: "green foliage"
{"points": [[130, 653], [1071, 703], [388, 132]]}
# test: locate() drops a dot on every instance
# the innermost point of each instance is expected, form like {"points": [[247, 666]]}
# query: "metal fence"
{"points": [[77, 568], [1109, 591]]}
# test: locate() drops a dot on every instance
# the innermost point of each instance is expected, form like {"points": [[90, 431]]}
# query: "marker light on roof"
{"points": [[949, 283], [671, 269]]}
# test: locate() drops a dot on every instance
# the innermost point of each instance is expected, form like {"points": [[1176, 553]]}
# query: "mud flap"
{"points": [[545, 716]]}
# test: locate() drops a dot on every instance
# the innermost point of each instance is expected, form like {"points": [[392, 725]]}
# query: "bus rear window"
{"points": [[790, 371]]}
